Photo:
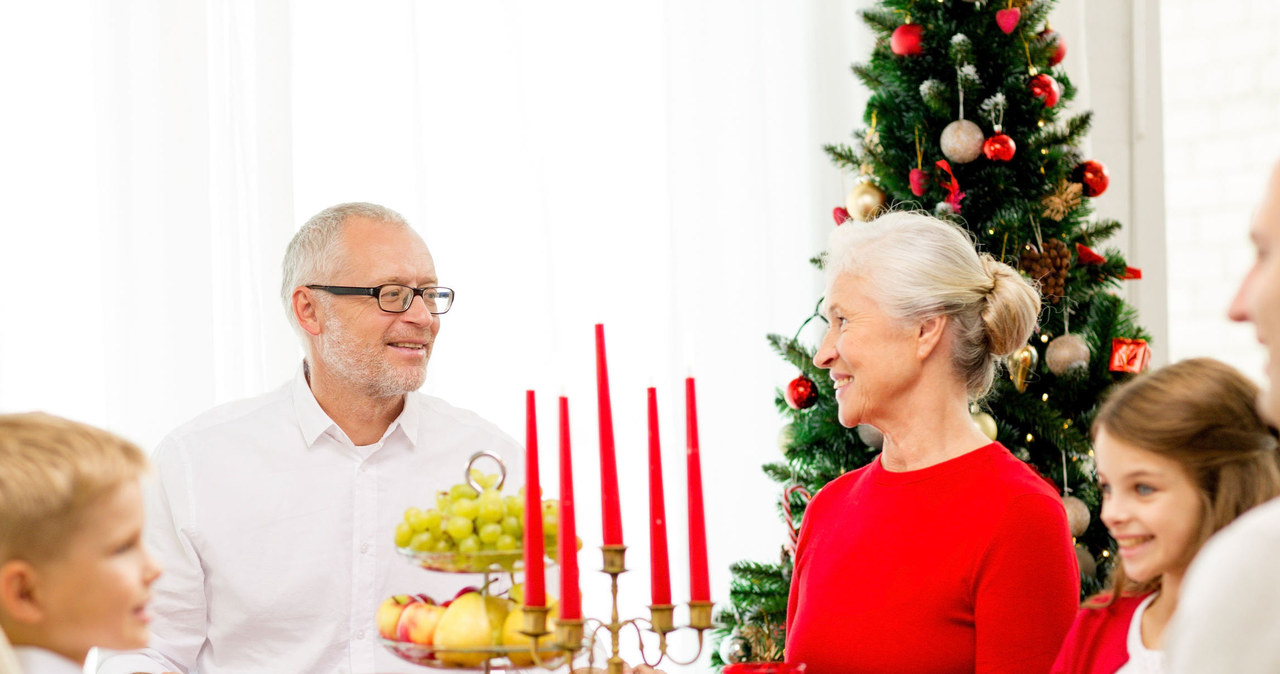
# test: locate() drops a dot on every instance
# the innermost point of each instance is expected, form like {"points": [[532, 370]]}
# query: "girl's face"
{"points": [[1151, 506]]}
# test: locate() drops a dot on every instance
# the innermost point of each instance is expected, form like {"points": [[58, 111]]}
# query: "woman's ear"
{"points": [[930, 335]]}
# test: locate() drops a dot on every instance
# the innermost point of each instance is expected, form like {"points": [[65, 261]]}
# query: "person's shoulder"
{"points": [[1253, 540], [1013, 475], [436, 410], [1100, 606], [1257, 527], [841, 486], [248, 414]]}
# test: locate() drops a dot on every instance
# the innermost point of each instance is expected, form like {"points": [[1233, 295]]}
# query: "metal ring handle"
{"points": [[502, 470]]}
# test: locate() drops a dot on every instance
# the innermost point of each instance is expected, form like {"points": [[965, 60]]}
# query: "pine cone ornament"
{"points": [[1048, 265]]}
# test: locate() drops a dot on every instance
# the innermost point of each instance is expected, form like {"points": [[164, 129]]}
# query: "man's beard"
{"points": [[367, 370]]}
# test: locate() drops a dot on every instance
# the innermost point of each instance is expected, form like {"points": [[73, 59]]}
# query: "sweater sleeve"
{"points": [[1026, 588]]}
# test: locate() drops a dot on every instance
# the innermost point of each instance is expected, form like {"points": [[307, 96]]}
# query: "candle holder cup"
{"points": [[535, 621]]}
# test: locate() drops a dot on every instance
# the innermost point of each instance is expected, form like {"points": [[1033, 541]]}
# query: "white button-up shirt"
{"points": [[33, 660], [276, 532]]}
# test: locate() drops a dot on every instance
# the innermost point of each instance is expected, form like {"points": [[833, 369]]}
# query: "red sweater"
{"points": [[1098, 642], [966, 566]]}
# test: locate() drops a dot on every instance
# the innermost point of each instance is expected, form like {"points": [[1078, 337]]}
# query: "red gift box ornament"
{"points": [[1129, 355]]}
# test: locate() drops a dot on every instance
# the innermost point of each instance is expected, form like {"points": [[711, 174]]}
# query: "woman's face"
{"points": [[1150, 505], [872, 358]]}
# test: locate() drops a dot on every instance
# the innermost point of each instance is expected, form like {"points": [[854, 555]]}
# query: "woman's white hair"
{"points": [[917, 267], [315, 254]]}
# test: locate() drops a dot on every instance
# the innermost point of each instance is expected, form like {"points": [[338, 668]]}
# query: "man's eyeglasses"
{"points": [[394, 298]]}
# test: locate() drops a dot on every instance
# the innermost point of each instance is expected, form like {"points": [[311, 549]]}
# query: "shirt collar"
{"points": [[311, 417], [314, 422]]}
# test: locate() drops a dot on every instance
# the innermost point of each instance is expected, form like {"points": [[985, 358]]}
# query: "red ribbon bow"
{"points": [[1088, 256], [954, 195]]}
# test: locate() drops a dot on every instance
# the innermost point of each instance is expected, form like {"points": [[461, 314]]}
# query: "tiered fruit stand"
{"points": [[492, 564]]}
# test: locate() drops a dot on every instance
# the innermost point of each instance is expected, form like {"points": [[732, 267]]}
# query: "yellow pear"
{"points": [[470, 622], [511, 636]]}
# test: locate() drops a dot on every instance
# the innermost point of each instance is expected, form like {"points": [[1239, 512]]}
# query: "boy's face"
{"points": [[96, 593]]}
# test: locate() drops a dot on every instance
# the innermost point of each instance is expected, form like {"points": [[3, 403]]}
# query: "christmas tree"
{"points": [[966, 120]]}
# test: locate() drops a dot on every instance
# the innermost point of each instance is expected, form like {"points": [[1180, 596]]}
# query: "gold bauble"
{"points": [[786, 436], [870, 435], [1077, 515], [962, 141], [987, 424], [865, 201], [1021, 363], [1066, 354], [1088, 565]]}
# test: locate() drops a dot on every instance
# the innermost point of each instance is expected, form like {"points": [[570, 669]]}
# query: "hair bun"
{"points": [[1013, 304]]}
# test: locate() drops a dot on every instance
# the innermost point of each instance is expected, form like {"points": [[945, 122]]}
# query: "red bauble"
{"points": [[1061, 52], [840, 215], [1092, 176], [999, 147], [919, 181], [907, 39], [801, 393], [1007, 19], [1045, 88]]}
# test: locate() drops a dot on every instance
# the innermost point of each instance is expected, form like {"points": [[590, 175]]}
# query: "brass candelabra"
{"points": [[570, 633]]}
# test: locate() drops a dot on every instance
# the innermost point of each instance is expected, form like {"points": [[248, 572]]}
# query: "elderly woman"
{"points": [[947, 553]]}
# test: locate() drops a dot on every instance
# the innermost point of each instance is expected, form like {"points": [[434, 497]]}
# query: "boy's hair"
{"points": [[51, 469], [1203, 414]]}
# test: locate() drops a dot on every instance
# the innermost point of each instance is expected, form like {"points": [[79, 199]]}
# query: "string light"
{"points": [[1030, 437], [991, 231], [1045, 397], [1091, 452], [1044, 338], [1044, 150], [1106, 553], [1040, 123]]}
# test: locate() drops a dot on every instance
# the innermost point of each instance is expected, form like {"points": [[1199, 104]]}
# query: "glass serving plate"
{"points": [[468, 658], [483, 561]]}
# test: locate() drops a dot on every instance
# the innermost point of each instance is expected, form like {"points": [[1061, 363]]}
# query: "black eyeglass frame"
{"points": [[376, 293]]}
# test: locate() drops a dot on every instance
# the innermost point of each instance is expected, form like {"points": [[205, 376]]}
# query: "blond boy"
{"points": [[73, 571]]}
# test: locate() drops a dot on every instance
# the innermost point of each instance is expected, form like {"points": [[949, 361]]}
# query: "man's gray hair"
{"points": [[315, 254]]}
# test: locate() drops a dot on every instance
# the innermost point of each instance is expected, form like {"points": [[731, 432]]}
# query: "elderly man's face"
{"points": [[368, 350], [1259, 298]]}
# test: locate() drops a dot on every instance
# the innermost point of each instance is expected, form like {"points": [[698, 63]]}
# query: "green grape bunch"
{"points": [[466, 521]]}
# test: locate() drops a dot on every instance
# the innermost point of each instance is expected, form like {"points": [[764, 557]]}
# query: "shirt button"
{"points": [[360, 634], [364, 547]]}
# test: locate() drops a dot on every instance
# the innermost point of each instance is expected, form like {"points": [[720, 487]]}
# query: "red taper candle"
{"points": [[535, 587], [570, 595], [659, 570], [611, 512], [699, 586]]}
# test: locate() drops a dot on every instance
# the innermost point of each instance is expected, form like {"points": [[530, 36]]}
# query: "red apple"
{"points": [[418, 623], [389, 613], [466, 590]]}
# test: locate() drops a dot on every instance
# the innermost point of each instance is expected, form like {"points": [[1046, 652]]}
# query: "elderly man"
{"points": [[274, 517], [1229, 611]]}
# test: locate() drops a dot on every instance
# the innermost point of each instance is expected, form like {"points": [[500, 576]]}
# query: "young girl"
{"points": [[1180, 453]]}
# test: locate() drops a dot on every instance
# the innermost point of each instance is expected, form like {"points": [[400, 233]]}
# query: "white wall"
{"points": [[1222, 136]]}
